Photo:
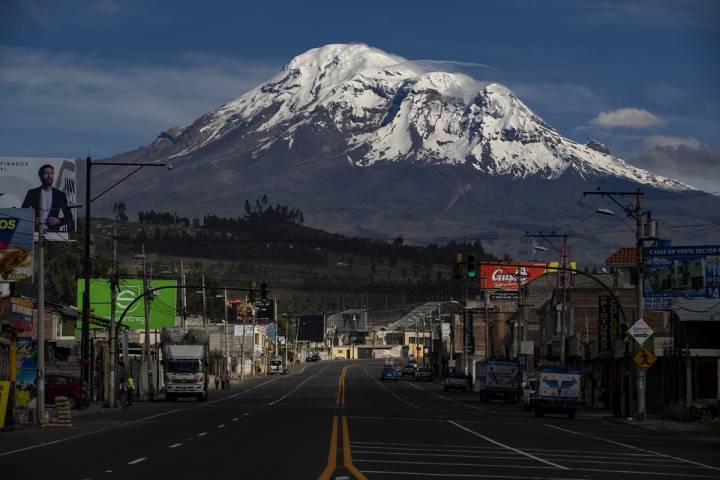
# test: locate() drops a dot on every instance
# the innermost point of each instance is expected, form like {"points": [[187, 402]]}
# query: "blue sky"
{"points": [[106, 76]]}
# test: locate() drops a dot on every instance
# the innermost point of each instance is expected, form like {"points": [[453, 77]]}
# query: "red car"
{"points": [[65, 386]]}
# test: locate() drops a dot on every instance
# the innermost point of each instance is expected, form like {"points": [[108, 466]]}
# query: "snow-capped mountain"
{"points": [[366, 142], [387, 109]]}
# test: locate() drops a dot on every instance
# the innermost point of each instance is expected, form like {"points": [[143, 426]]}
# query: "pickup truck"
{"points": [[557, 390], [456, 381]]}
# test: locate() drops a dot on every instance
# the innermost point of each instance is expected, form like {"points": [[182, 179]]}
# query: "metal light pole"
{"points": [[40, 410], [146, 347], [87, 263], [636, 213]]}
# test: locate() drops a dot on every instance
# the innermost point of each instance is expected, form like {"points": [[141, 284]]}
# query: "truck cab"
{"points": [[185, 372], [557, 390]]}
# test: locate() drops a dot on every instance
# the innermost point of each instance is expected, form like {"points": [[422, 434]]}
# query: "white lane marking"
{"points": [[645, 472], [512, 455], [79, 435], [242, 392], [454, 464], [451, 399], [625, 445], [302, 370], [467, 475], [296, 388], [495, 442], [236, 419], [395, 396], [202, 434], [175, 445], [222, 425], [137, 460]]}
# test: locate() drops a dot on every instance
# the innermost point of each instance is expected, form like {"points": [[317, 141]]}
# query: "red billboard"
{"points": [[505, 276]]}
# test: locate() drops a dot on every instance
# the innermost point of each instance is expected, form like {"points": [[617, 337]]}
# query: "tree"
{"points": [[119, 209]]}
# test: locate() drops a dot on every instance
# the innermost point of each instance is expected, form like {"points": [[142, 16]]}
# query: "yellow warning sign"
{"points": [[645, 358]]}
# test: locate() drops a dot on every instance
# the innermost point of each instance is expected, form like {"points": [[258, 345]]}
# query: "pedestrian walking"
{"points": [[217, 382], [123, 394], [227, 380], [130, 390]]}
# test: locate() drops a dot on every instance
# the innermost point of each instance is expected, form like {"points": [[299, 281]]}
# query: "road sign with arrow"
{"points": [[640, 331]]}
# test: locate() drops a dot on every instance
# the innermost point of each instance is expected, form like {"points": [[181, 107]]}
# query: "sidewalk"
{"points": [[700, 431]]}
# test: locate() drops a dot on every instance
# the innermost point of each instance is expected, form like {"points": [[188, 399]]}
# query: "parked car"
{"points": [[313, 358], [65, 386], [389, 373], [456, 381], [424, 374], [408, 370], [528, 392], [277, 367]]}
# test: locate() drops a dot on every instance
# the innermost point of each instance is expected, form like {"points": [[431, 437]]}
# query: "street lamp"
{"points": [[85, 332], [228, 360]]}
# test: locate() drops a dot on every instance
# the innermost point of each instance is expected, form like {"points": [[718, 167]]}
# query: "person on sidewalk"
{"points": [[217, 382], [130, 390], [227, 380], [123, 391]]}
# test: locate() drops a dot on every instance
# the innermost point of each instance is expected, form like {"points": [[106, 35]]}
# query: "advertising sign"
{"points": [[683, 272], [46, 185], [4, 397], [21, 313], [505, 277], [608, 326], [445, 329], [162, 302], [238, 330], [25, 382], [16, 244]]}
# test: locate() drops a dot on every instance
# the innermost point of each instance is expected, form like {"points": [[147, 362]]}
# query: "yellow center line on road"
{"points": [[332, 453], [347, 454], [341, 388]]}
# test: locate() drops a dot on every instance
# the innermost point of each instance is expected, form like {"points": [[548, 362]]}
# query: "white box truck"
{"points": [[185, 363], [557, 390]]}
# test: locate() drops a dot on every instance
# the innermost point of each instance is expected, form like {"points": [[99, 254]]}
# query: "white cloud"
{"points": [[53, 97], [658, 141], [627, 118]]}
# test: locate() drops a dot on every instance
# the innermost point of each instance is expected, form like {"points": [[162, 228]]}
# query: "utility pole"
{"points": [[277, 326], [228, 360], [242, 346], [112, 334], [636, 213], [252, 373], [204, 298], [40, 400], [486, 298], [518, 324], [85, 330], [146, 350], [563, 283], [183, 294]]}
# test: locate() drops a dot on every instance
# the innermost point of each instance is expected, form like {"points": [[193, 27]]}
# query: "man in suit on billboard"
{"points": [[48, 202]]}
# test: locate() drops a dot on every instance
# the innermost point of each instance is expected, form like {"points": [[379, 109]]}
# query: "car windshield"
{"points": [[184, 365], [276, 363]]}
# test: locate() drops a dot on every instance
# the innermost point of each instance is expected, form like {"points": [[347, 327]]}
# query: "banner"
{"points": [[163, 302], [238, 330], [16, 244], [21, 313], [608, 326], [45, 185], [683, 272], [505, 277]]}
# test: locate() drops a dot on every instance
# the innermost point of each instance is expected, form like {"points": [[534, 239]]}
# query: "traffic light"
{"points": [[456, 266], [251, 292], [264, 294], [624, 332], [471, 271]]}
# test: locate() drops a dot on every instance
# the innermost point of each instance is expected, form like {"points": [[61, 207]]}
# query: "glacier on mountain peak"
{"points": [[389, 110]]}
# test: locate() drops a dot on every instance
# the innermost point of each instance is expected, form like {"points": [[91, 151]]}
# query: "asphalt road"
{"points": [[337, 420]]}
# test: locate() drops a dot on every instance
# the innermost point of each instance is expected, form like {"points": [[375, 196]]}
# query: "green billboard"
{"points": [[162, 302]]}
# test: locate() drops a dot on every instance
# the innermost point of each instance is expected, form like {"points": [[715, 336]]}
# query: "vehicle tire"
{"points": [[571, 414], [72, 401], [539, 412]]}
